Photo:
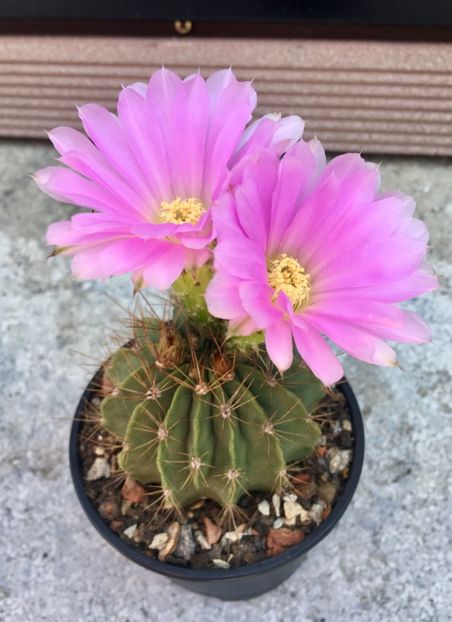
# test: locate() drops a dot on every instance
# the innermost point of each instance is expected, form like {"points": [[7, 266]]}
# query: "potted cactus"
{"points": [[226, 422]]}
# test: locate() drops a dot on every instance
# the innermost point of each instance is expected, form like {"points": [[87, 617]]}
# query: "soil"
{"points": [[263, 524]]}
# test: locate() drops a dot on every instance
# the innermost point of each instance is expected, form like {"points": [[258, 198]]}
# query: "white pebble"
{"points": [[278, 523], [264, 508], [220, 563], [202, 541], [347, 425], [292, 510], [233, 536], [338, 459], [316, 512], [100, 468], [290, 498], [130, 531], [159, 541]]}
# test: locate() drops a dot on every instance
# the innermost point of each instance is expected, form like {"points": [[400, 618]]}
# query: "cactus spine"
{"points": [[202, 420]]}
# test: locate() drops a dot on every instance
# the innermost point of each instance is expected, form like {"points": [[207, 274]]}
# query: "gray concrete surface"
{"points": [[389, 559]]}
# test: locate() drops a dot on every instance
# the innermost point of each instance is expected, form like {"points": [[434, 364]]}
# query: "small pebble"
{"points": [[276, 500], [347, 425], [108, 510], [99, 451], [100, 468], [220, 563], [328, 491], [292, 510], [338, 459], [202, 541], [138, 537], [173, 532], [116, 525], [213, 532], [279, 539], [132, 491], [233, 536], [130, 531], [186, 545], [159, 541], [125, 507], [264, 508], [316, 512], [278, 523], [292, 498]]}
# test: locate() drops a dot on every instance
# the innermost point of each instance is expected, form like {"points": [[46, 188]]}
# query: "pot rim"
{"points": [[216, 574]]}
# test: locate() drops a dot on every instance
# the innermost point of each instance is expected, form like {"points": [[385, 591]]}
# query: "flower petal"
{"points": [[278, 341], [369, 264], [110, 258], [355, 340], [241, 258], [222, 297], [146, 140], [164, 265], [380, 319], [67, 186], [256, 300], [105, 131], [317, 354]]}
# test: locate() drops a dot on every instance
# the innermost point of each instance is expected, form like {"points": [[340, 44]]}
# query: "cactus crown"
{"points": [[203, 419]]}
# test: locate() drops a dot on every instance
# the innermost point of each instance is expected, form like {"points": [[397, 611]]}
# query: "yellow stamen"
{"points": [[182, 210], [285, 274]]}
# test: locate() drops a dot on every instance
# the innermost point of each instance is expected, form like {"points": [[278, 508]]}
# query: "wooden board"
{"points": [[377, 97]]}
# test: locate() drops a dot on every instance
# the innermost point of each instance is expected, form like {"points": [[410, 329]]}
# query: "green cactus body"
{"points": [[199, 427]]}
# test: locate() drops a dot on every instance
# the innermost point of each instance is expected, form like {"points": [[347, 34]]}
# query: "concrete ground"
{"points": [[389, 559]]}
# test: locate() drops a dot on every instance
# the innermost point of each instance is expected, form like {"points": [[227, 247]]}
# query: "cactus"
{"points": [[204, 420]]}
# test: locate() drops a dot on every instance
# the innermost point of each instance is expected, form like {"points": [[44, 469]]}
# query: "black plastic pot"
{"points": [[234, 583]]}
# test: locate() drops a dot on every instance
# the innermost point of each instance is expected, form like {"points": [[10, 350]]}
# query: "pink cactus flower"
{"points": [[151, 174], [308, 250]]}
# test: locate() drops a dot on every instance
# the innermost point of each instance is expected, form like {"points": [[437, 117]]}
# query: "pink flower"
{"points": [[307, 250], [151, 174]]}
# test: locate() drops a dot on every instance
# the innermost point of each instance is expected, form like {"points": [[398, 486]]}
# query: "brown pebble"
{"points": [[213, 532], [280, 539], [173, 532], [328, 492], [108, 510], [306, 488], [117, 525], [132, 491]]}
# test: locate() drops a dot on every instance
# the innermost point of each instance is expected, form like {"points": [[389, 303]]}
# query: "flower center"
{"points": [[182, 210], [285, 274]]}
